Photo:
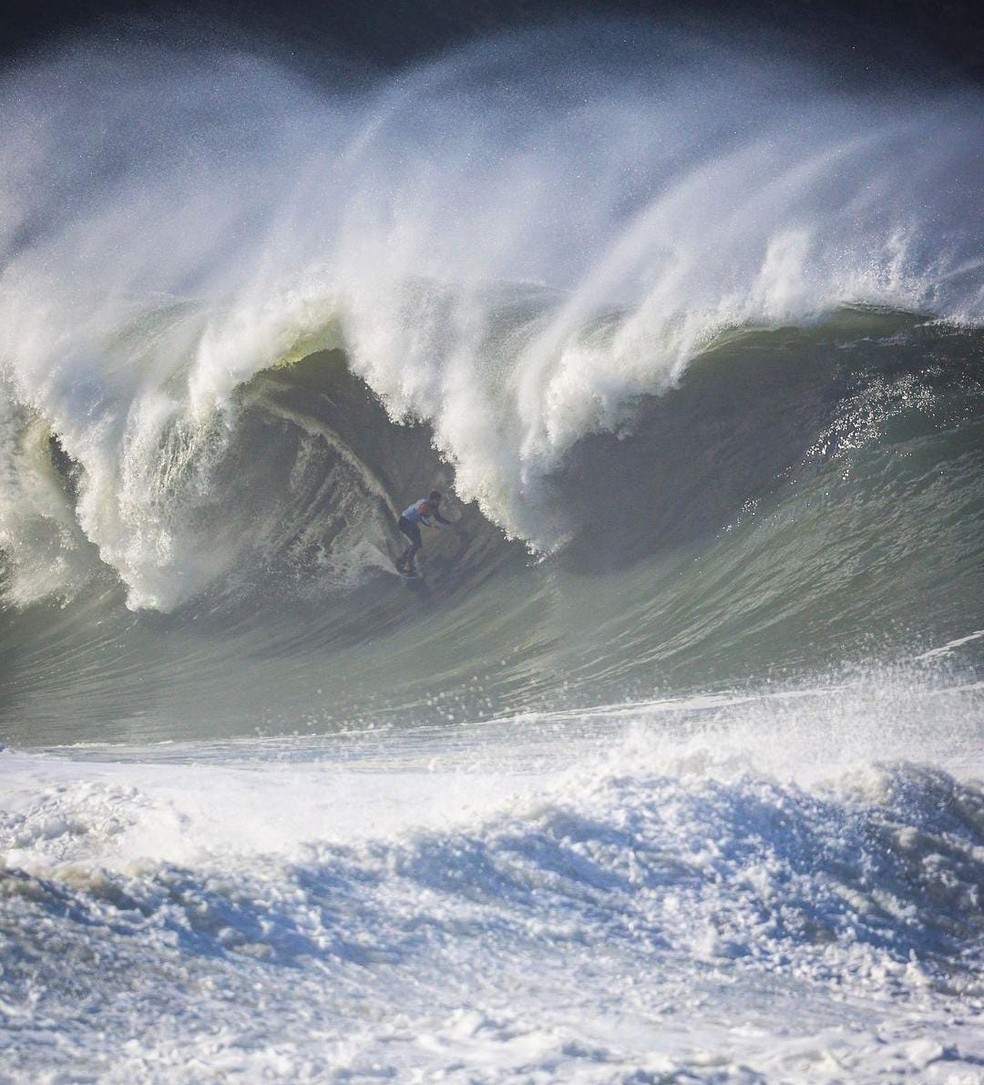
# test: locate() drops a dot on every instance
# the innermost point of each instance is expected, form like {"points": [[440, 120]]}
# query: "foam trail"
{"points": [[160, 247]]}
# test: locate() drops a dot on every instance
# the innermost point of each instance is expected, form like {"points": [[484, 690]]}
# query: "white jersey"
{"points": [[419, 511]]}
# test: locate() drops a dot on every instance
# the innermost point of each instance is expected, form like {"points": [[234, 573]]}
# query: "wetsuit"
{"points": [[420, 512]]}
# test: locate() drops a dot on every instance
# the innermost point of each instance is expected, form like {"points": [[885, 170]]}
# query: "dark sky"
{"points": [[949, 34]]}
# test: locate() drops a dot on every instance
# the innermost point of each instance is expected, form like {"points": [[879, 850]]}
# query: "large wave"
{"points": [[513, 259]]}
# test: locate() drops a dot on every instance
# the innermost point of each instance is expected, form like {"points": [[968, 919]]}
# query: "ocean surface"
{"points": [[669, 767]]}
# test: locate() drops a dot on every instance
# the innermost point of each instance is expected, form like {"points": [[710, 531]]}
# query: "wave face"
{"points": [[683, 719], [802, 501]]}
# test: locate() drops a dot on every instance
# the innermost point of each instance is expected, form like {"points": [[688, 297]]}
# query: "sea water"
{"points": [[669, 768]]}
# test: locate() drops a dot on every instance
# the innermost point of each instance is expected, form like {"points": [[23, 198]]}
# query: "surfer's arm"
{"points": [[440, 519]]}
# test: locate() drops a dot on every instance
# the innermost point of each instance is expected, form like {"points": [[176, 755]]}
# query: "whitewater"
{"points": [[669, 769]]}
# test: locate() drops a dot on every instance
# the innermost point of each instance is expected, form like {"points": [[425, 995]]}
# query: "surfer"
{"points": [[420, 512]]}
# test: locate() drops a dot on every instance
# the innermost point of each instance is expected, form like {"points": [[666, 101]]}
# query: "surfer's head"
{"points": [[435, 497]]}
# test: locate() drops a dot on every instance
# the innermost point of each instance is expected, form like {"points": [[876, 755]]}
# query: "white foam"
{"points": [[579, 900], [950, 646]]}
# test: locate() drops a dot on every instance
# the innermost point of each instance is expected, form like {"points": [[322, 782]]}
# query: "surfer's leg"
{"points": [[411, 551], [412, 532]]}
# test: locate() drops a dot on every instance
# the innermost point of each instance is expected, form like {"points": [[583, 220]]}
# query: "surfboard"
{"points": [[409, 578]]}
